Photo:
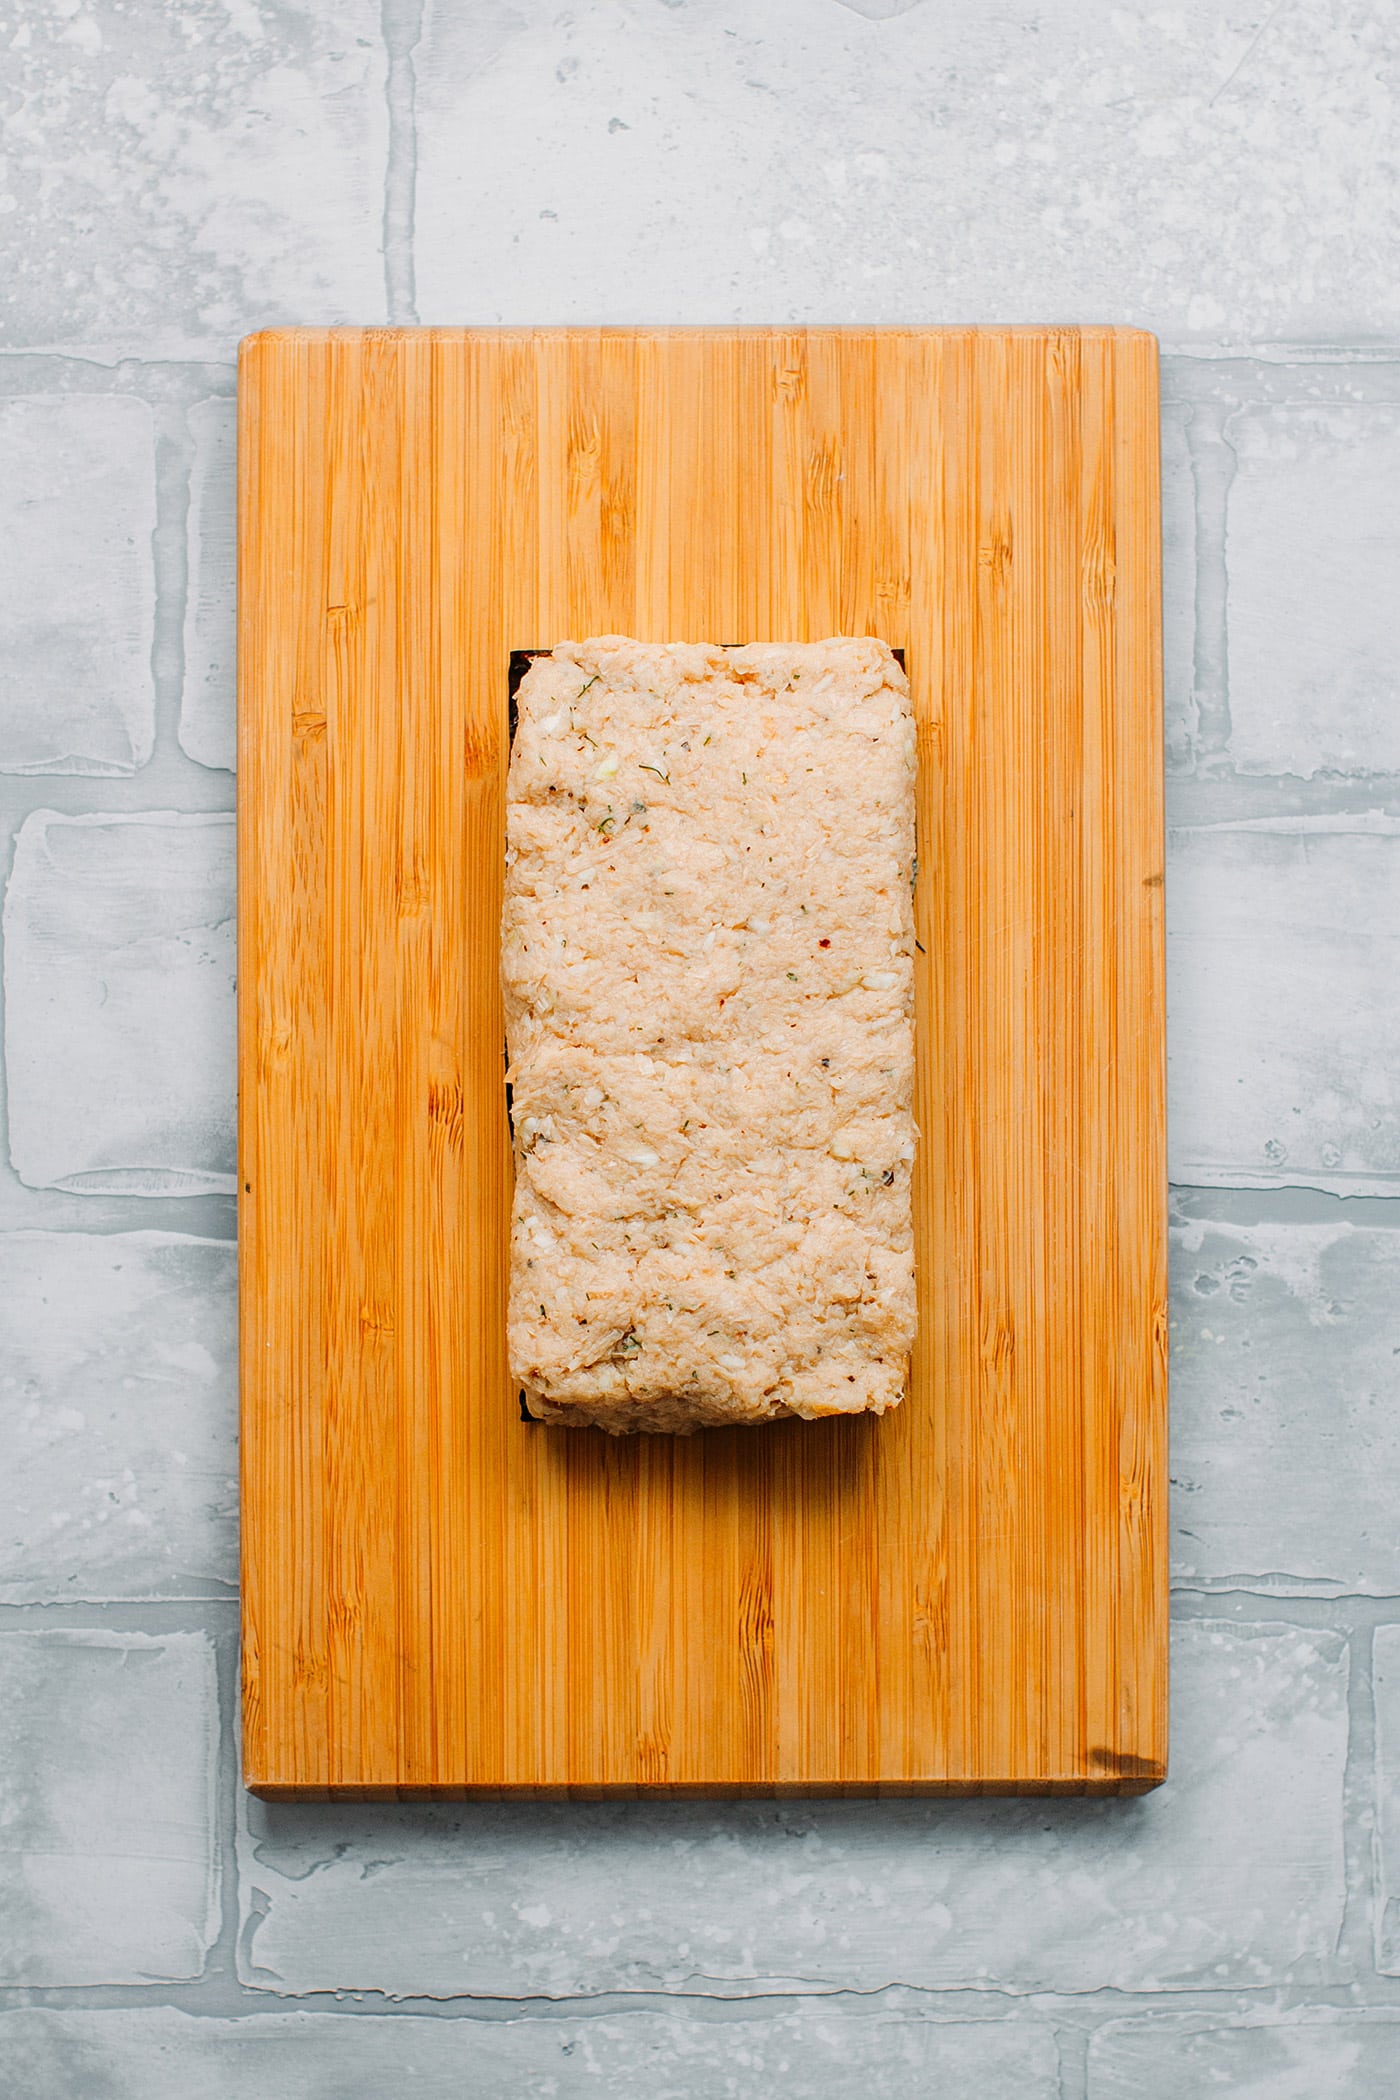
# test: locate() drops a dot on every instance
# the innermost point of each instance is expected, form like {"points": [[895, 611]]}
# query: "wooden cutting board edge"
{"points": [[295, 1549]]}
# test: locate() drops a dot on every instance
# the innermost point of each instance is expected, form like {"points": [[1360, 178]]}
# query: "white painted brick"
{"points": [[108, 1751], [1229, 1875], [118, 1431], [119, 1003], [815, 2054], [180, 175], [77, 584], [1178, 588], [1322, 2054], [718, 162], [1313, 554], [1283, 949], [206, 706], [1386, 1678], [1285, 1433]]}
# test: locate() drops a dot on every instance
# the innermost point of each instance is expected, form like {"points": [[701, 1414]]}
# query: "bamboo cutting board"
{"points": [[966, 1595]]}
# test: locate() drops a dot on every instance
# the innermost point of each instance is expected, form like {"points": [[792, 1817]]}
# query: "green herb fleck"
{"points": [[589, 687], [644, 768], [793, 975]]}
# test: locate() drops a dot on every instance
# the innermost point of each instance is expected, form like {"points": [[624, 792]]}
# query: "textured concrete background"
{"points": [[179, 173]]}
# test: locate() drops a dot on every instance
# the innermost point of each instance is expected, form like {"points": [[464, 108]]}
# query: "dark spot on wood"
{"points": [[1122, 1764]]}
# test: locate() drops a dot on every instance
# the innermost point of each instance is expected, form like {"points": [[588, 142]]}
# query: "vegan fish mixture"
{"points": [[707, 955]]}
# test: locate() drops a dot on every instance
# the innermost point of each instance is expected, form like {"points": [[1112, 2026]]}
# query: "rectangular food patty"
{"points": [[707, 956]]}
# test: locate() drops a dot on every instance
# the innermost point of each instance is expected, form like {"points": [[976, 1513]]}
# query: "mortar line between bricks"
{"points": [[221, 1962], [1251, 378], [1343, 1612], [401, 25], [1264, 1589], [1356, 1937], [1078, 2012], [1220, 798], [1275, 354], [1072, 2060], [1293, 1204], [206, 1217], [1212, 471], [1323, 777], [64, 371], [202, 791], [151, 1615], [174, 449]]}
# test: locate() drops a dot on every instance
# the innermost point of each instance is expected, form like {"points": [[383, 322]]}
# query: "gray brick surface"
{"points": [[1326, 2054], [207, 702], [119, 1015], [1313, 552], [77, 584], [1231, 1874], [108, 1749], [117, 1416], [177, 175], [955, 162], [1283, 946], [1285, 1431], [816, 2054]]}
